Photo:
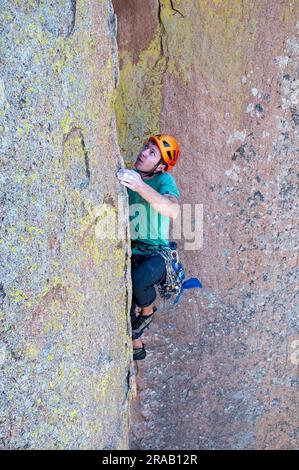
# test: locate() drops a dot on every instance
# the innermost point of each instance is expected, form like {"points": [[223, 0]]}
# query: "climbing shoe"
{"points": [[141, 323], [139, 353]]}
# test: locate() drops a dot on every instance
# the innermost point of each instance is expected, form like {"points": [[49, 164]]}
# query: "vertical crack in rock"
{"points": [[126, 240], [164, 36], [112, 28], [2, 294], [163, 41], [131, 383], [74, 148], [73, 20], [175, 9], [86, 158]]}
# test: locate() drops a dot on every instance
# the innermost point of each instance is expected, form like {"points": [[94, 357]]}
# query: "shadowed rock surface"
{"points": [[222, 372]]}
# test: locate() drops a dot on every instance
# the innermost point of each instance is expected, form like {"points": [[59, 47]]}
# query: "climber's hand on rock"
{"points": [[131, 179]]}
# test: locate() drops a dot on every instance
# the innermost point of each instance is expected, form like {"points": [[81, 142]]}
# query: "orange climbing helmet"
{"points": [[169, 148]]}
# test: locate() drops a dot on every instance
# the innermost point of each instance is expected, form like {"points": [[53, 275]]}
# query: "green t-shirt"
{"points": [[149, 229]]}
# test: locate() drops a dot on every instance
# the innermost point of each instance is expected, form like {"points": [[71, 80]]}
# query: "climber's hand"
{"points": [[131, 179]]}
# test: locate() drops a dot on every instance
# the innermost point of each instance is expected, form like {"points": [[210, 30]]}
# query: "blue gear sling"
{"points": [[175, 283]]}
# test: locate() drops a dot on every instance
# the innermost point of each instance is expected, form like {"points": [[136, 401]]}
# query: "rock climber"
{"points": [[153, 200]]}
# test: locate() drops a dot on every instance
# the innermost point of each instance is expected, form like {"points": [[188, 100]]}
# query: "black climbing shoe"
{"points": [[139, 353], [141, 323]]}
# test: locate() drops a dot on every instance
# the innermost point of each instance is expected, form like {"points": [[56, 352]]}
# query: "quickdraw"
{"points": [[175, 282]]}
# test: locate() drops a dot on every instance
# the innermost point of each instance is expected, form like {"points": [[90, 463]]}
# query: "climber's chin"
{"points": [[139, 163]]}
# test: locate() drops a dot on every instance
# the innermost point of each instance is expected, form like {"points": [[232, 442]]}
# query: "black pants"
{"points": [[146, 271]]}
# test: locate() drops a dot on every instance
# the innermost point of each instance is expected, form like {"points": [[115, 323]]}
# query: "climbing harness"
{"points": [[175, 282]]}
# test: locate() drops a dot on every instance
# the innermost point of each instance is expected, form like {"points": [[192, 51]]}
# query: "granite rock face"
{"points": [[222, 368], [65, 344]]}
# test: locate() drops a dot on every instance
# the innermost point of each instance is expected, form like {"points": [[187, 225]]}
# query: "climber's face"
{"points": [[148, 158]]}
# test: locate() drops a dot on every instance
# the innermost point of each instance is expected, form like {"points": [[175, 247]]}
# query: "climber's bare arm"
{"points": [[164, 204]]}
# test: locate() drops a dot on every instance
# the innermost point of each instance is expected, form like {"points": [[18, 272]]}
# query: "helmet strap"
{"points": [[152, 171]]}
